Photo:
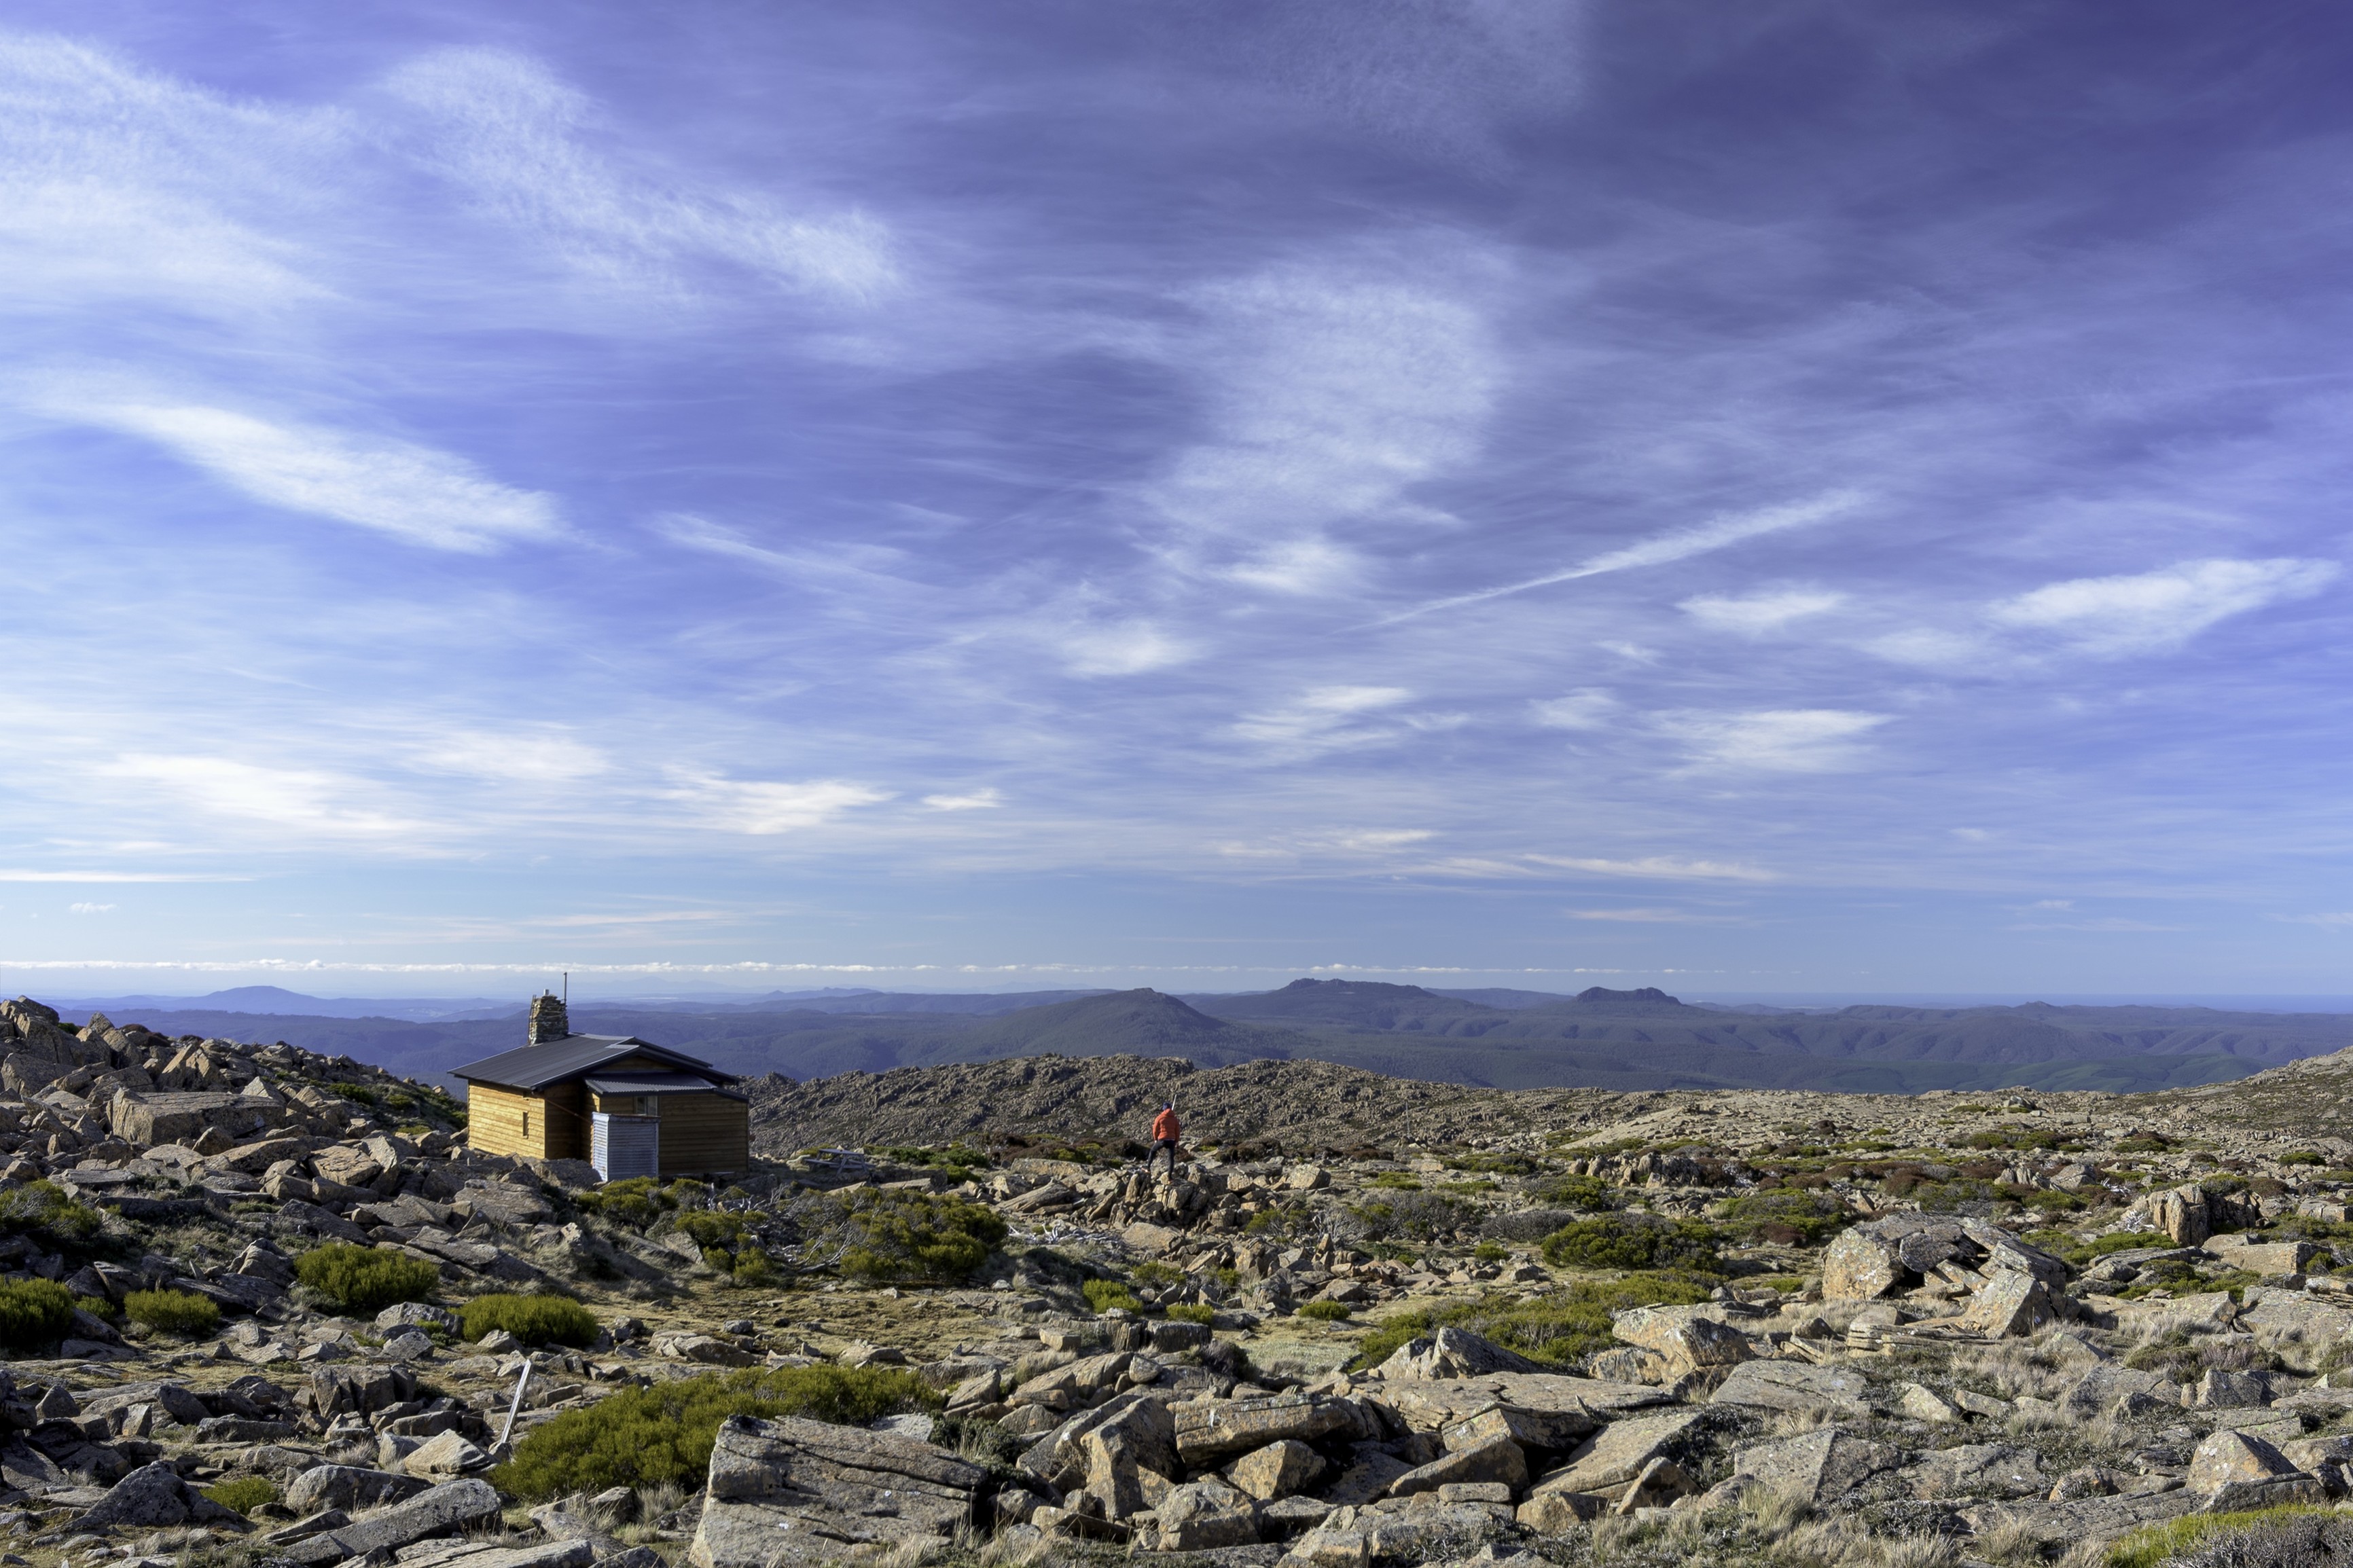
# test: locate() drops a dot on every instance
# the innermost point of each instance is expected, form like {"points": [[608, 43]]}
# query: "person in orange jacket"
{"points": [[1165, 1132]]}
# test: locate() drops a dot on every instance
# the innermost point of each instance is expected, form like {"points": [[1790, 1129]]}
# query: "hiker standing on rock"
{"points": [[1165, 1132]]}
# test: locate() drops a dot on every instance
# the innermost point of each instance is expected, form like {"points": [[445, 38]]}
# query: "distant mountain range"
{"points": [[1604, 1038]]}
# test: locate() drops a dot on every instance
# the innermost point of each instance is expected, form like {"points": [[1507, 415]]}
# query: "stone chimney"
{"points": [[547, 1019]]}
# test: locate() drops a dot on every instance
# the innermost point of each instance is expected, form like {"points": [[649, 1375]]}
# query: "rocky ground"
{"points": [[1365, 1320]]}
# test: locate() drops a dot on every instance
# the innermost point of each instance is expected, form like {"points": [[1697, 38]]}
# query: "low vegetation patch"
{"points": [[33, 1313], [244, 1494], [646, 1437], [48, 1213], [1558, 1328], [533, 1320], [1785, 1217], [1412, 1216], [365, 1279], [729, 1241], [181, 1313], [1587, 1192], [883, 1236], [1110, 1294], [1192, 1312], [1327, 1311], [1632, 1241], [2179, 1539]]}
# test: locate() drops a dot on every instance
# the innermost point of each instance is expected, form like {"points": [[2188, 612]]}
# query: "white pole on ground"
{"points": [[516, 1408]]}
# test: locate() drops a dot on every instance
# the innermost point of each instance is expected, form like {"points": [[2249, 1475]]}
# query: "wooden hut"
{"points": [[628, 1107]]}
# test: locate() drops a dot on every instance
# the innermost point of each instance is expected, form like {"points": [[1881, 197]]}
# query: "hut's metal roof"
{"points": [[536, 1068]]}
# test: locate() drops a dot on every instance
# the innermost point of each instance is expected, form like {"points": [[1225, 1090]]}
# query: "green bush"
{"points": [[2153, 1544], [533, 1320], [1104, 1295], [1490, 1252], [1632, 1241], [1192, 1312], [244, 1494], [1785, 1217], [904, 1234], [48, 1213], [1586, 1192], [645, 1437], [1557, 1328], [1327, 1311], [181, 1313], [636, 1202], [365, 1279], [1158, 1276], [33, 1313]]}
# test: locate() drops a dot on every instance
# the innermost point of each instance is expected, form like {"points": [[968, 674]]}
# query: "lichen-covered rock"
{"points": [[1453, 1353], [804, 1491], [1277, 1470]]}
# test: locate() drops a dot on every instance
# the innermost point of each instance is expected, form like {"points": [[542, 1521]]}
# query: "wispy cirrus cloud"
{"points": [[763, 808], [2154, 612], [304, 803], [1677, 544], [408, 492], [1335, 386], [1776, 740], [1755, 614], [1669, 867], [1588, 707], [518, 139]]}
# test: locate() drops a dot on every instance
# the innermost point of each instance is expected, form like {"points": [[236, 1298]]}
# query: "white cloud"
{"points": [[529, 755], [1335, 388], [1929, 647], [117, 185], [978, 800], [306, 801], [1324, 721], [2340, 918], [1716, 533], [519, 139], [1119, 647], [761, 807], [2156, 611], [1586, 707], [411, 492], [1780, 740], [1659, 866], [91, 908], [1760, 612]]}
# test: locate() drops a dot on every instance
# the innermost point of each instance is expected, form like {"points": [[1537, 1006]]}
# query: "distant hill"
{"points": [[1601, 1037]]}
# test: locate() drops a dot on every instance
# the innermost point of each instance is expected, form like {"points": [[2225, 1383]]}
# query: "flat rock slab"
{"points": [[1819, 1465], [1613, 1457], [576, 1553], [791, 1490], [1795, 1385], [437, 1511]]}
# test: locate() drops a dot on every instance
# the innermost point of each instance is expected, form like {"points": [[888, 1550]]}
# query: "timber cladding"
{"points": [[705, 1133], [550, 1125]]}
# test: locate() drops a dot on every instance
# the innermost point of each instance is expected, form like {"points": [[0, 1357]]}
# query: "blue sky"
{"points": [[1790, 497]]}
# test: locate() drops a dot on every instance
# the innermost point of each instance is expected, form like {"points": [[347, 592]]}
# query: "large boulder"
{"points": [[1609, 1462], [349, 1488], [790, 1490], [1203, 1515], [1685, 1338], [1881, 1255], [1210, 1432], [1453, 1353], [447, 1509], [152, 1497], [2229, 1456], [1277, 1470]]}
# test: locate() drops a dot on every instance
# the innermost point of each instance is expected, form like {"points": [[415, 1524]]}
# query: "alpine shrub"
{"points": [[1632, 1241], [1192, 1312], [645, 1437], [33, 1313], [244, 1494], [48, 1213], [1326, 1311], [365, 1279], [913, 1235], [533, 1320], [181, 1313], [1105, 1295]]}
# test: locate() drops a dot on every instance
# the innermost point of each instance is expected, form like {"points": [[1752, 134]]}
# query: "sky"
{"points": [[1795, 497]]}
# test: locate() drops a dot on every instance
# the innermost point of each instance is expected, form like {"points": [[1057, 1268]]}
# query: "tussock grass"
{"points": [[181, 1313], [533, 1320], [365, 1279]]}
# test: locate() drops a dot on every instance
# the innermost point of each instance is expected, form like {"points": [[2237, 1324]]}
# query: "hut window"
{"points": [[526, 1123], [645, 1105]]}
